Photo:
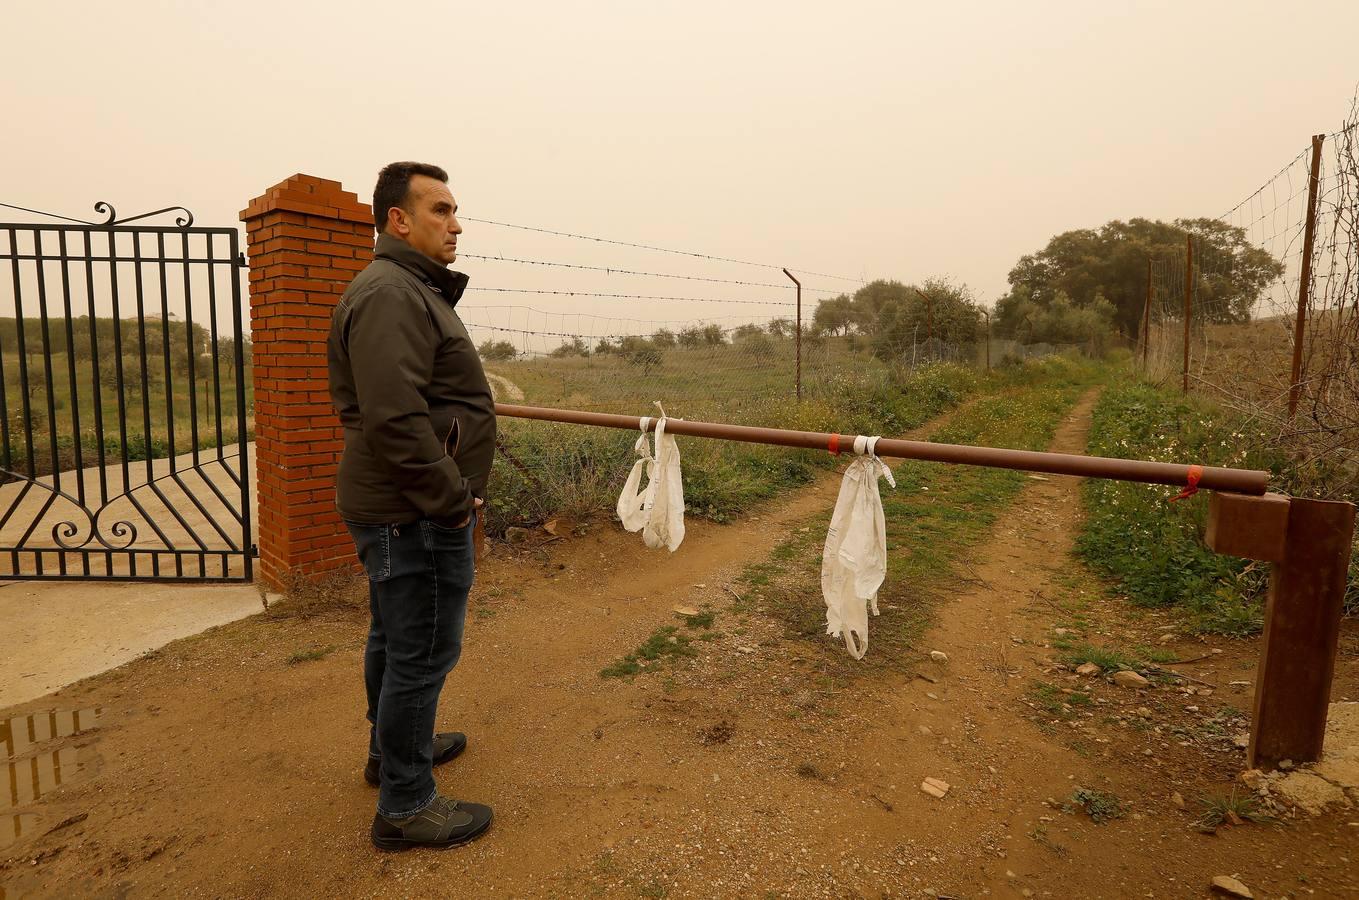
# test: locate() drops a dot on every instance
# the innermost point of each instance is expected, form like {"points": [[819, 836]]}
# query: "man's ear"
{"points": [[398, 221]]}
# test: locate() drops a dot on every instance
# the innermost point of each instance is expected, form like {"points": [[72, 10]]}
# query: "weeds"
{"points": [[665, 643], [1108, 660], [933, 516], [342, 593], [698, 621], [1100, 806], [575, 471], [1153, 550], [1219, 810], [312, 655], [1057, 702]]}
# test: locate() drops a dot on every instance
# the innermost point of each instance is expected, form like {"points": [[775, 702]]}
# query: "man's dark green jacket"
{"points": [[405, 377]]}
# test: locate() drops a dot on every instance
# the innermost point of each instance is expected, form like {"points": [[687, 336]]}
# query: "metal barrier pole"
{"points": [[1244, 481]]}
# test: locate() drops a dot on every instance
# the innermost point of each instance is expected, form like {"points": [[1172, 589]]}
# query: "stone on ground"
{"points": [[934, 787], [1226, 884], [1129, 679]]}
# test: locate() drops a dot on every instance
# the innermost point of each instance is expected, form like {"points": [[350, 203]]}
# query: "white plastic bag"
{"points": [[854, 561], [632, 501], [657, 511]]}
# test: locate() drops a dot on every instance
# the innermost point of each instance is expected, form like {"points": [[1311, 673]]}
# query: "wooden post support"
{"points": [[1302, 631], [1309, 542]]}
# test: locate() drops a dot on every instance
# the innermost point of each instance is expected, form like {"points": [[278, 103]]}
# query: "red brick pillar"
{"points": [[307, 238]]}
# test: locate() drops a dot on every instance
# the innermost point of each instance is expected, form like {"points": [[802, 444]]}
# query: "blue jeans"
{"points": [[419, 575]]}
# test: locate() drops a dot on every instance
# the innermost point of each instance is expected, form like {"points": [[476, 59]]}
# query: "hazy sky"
{"points": [[866, 139]]}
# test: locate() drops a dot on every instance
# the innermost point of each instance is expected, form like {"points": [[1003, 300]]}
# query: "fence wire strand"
{"points": [[1241, 353]]}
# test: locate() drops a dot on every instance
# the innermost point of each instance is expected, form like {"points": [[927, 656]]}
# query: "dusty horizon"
{"points": [[877, 141]]}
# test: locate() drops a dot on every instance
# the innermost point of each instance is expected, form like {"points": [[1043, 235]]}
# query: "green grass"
{"points": [[701, 620], [312, 655], [665, 644], [1219, 810], [141, 441], [1152, 550], [1107, 659], [576, 470], [1055, 702], [1100, 806], [934, 516]]}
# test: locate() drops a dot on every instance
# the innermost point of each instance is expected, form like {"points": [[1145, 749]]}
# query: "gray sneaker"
{"points": [[444, 823]]}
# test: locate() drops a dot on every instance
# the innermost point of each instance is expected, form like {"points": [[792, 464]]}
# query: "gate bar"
{"points": [[1240, 481]]}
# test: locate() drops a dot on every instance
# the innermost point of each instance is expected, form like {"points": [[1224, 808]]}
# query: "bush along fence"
{"points": [[307, 237]]}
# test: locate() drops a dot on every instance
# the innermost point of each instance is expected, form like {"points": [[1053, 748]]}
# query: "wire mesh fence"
{"points": [[1261, 312]]}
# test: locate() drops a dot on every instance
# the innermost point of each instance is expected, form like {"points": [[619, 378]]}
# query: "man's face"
{"points": [[428, 222]]}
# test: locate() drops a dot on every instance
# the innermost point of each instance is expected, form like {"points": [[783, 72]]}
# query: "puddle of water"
{"points": [[30, 777], [13, 827], [21, 732]]}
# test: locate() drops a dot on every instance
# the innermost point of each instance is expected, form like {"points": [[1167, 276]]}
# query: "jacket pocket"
{"points": [[454, 438], [374, 545]]}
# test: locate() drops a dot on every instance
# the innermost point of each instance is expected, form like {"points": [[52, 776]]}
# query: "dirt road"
{"points": [[217, 767]]}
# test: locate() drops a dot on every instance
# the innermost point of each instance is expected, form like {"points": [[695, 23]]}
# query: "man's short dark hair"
{"points": [[394, 186]]}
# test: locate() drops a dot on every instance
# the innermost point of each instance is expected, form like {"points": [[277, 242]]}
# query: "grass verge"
{"points": [[935, 515], [1151, 549], [573, 470]]}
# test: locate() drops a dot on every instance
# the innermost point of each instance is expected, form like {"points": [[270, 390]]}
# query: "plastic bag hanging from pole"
{"points": [[854, 561], [657, 511]]}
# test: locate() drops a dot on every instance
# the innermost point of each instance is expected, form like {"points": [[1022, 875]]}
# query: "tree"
{"points": [[781, 327], [574, 347], [744, 331], [690, 337], [894, 317], [755, 344], [496, 351], [645, 357], [632, 343], [1111, 262], [833, 316], [663, 339], [712, 335]]}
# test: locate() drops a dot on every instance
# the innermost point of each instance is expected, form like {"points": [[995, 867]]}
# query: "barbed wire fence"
{"points": [[1286, 356], [597, 324]]}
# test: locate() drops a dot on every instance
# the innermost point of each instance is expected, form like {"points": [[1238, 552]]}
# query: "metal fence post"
{"points": [[1305, 277], [1188, 311], [1146, 320], [987, 313], [799, 331], [929, 319]]}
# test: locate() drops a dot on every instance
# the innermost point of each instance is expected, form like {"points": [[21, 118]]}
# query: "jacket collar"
{"points": [[439, 278]]}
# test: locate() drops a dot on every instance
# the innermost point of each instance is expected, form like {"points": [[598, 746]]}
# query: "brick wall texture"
{"points": [[306, 238]]}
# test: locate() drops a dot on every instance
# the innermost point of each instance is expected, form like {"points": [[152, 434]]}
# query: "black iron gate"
{"points": [[124, 417]]}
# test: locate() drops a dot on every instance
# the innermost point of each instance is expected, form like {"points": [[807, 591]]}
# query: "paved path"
{"points": [[55, 633]]}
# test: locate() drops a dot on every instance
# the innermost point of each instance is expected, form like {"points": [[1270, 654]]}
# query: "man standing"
{"points": [[419, 438]]}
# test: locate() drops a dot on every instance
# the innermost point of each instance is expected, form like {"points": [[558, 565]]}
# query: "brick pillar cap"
{"points": [[312, 196]]}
